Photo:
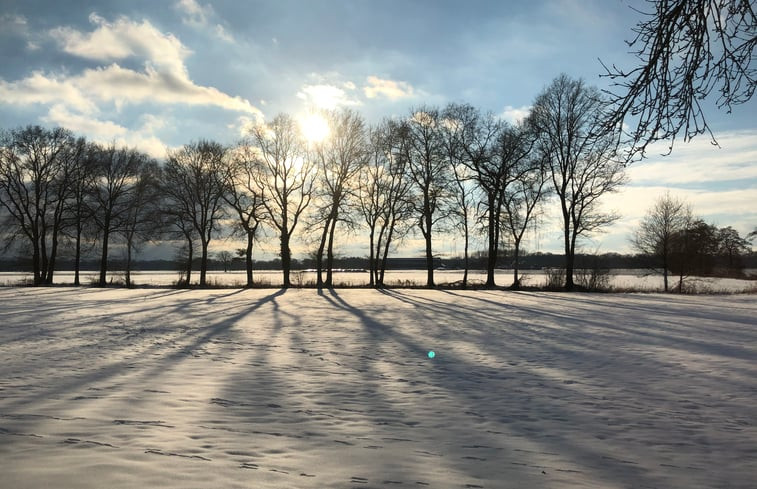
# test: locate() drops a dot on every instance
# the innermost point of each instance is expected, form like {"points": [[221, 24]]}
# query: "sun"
{"points": [[314, 128]]}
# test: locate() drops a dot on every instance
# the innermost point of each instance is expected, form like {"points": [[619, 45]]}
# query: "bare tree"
{"points": [[385, 195], [695, 248], [113, 188], [77, 215], [225, 257], [686, 49], [245, 198], [338, 158], [732, 246], [35, 166], [141, 221], [464, 192], [493, 150], [286, 180], [654, 238], [521, 202], [581, 154], [177, 220], [431, 174], [194, 184], [371, 195]]}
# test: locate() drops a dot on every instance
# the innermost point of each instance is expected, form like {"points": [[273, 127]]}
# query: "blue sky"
{"points": [[160, 74]]}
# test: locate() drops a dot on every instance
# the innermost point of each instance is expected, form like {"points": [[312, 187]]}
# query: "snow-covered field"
{"points": [[269, 388], [638, 280]]}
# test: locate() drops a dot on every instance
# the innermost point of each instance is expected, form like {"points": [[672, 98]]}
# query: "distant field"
{"points": [[300, 388], [623, 279]]}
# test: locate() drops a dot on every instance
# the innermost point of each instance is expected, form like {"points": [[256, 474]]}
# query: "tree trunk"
{"points": [[53, 254], [248, 256], [286, 258], [104, 255], [330, 254], [204, 262], [429, 263], [43, 255], [36, 261], [570, 257], [516, 265], [465, 255], [319, 253], [491, 260], [190, 257], [665, 271], [128, 262], [386, 254], [371, 259], [77, 254]]}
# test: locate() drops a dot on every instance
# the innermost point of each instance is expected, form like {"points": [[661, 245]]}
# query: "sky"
{"points": [[157, 75]]}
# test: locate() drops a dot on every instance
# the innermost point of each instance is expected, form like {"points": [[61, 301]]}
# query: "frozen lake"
{"points": [[305, 389], [625, 279]]}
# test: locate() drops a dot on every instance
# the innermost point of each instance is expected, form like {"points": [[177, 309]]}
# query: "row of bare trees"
{"points": [[433, 172]]}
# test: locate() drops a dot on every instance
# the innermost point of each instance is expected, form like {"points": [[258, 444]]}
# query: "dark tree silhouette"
{"points": [[654, 238], [36, 167], [338, 160], [286, 180], [687, 49], [429, 170], [141, 223], [695, 248], [193, 181], [520, 204], [113, 187], [581, 156], [245, 197], [732, 246], [384, 195], [494, 151], [78, 217], [464, 188]]}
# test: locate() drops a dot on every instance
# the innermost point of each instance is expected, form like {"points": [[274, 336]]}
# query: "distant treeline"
{"points": [[528, 261]]}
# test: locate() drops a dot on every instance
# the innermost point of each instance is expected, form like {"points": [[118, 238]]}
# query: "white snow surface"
{"points": [[269, 388]]}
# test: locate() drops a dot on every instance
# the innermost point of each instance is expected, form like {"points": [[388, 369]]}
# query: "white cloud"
{"points": [[123, 39], [121, 85], [39, 88], [107, 132], [325, 96], [698, 161], [223, 34], [200, 17], [17, 24], [244, 124], [79, 100], [84, 124], [515, 115], [391, 89], [164, 79], [194, 13]]}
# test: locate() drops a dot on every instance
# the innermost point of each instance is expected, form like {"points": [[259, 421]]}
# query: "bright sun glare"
{"points": [[314, 127]]}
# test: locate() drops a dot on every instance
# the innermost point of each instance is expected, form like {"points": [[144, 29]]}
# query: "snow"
{"points": [[335, 389]]}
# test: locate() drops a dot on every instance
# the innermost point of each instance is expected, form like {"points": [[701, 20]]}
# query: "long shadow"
{"points": [[503, 406], [459, 380], [187, 341]]}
